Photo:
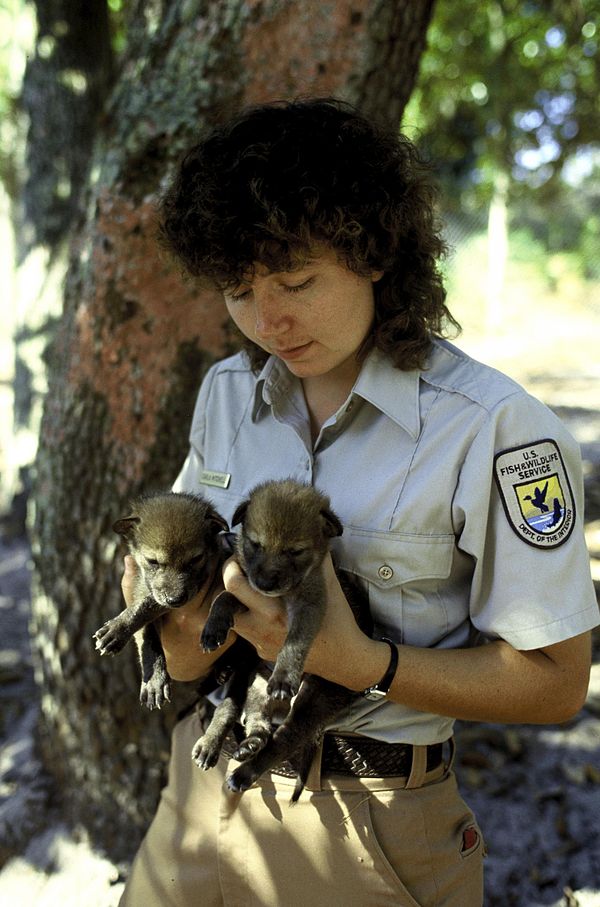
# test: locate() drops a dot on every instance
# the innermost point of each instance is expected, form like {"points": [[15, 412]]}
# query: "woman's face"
{"points": [[314, 318]]}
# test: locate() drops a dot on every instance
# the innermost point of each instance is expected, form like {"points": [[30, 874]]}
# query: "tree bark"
{"points": [[65, 85], [135, 341]]}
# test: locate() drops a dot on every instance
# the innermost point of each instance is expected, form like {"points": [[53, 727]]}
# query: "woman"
{"points": [[460, 496]]}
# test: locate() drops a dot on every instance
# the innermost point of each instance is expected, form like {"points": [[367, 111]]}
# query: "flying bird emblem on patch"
{"points": [[536, 493]]}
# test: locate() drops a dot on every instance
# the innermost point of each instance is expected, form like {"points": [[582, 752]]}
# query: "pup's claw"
{"points": [[204, 754], [110, 639], [213, 636], [249, 747], [281, 688], [154, 693]]}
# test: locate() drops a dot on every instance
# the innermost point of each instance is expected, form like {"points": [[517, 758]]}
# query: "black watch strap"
{"points": [[380, 690]]}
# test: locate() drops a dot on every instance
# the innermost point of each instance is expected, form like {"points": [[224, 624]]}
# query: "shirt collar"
{"points": [[273, 381], [394, 392], [391, 390]]}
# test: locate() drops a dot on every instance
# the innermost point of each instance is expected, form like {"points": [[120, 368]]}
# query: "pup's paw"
{"points": [[241, 779], [205, 753], [111, 638], [282, 685], [249, 747], [213, 635], [155, 692]]}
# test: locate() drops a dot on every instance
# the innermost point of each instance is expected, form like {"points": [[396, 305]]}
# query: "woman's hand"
{"points": [[337, 643], [128, 579], [180, 629]]}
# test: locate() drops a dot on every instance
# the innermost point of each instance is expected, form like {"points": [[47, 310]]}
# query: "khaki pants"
{"points": [[355, 841]]}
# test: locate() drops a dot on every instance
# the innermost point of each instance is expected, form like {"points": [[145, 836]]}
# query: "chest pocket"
{"points": [[405, 576]]}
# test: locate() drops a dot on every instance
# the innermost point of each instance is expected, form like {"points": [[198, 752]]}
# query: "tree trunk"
{"points": [[65, 84], [135, 341]]}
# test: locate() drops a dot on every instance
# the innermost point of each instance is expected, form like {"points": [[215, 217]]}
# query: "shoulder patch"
{"points": [[536, 493]]}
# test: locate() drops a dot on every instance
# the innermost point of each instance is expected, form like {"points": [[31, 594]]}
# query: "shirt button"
{"points": [[385, 571]]}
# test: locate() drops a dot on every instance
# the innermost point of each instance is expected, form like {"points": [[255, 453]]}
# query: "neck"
{"points": [[324, 394]]}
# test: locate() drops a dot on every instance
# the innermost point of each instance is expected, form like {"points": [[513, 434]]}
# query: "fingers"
{"points": [[235, 582], [264, 624], [329, 571], [128, 579]]}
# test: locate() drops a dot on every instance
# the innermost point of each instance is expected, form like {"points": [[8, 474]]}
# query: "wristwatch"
{"points": [[380, 690]]}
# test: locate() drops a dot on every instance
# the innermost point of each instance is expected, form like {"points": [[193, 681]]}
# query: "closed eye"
{"points": [[238, 297], [300, 286], [195, 561], [241, 295], [152, 561]]}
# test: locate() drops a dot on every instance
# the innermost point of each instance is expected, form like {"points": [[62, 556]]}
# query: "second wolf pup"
{"points": [[286, 529], [285, 535]]}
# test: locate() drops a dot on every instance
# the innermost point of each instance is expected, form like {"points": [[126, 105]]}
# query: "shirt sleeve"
{"points": [[518, 512], [191, 471]]}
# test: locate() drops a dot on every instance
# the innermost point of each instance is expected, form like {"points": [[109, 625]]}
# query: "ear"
{"points": [[126, 526], [331, 524], [217, 522], [227, 543], [240, 513]]}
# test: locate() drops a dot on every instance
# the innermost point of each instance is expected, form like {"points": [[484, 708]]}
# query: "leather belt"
{"points": [[362, 757], [369, 758]]}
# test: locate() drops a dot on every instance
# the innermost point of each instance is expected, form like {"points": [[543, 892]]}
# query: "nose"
{"points": [[271, 318], [173, 600]]}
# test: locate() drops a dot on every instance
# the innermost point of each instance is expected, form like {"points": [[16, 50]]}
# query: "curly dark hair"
{"points": [[269, 184]]}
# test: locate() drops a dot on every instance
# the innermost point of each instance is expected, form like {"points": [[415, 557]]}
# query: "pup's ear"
{"points": [[331, 524], [216, 521], [227, 543], [240, 513], [126, 526]]}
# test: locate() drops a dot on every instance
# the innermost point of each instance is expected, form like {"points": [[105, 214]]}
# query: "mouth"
{"points": [[271, 593], [294, 352]]}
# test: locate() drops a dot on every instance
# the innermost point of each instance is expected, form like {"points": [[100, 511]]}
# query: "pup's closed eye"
{"points": [[195, 561]]}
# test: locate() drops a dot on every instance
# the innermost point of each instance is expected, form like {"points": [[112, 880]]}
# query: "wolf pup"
{"points": [[285, 535], [176, 543]]}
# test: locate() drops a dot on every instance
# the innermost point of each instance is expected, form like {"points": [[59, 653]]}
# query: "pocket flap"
{"points": [[394, 559]]}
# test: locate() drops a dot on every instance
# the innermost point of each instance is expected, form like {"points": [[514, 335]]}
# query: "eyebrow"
{"points": [[298, 267]]}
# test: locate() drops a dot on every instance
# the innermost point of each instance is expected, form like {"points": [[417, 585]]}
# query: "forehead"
{"points": [[319, 255]]}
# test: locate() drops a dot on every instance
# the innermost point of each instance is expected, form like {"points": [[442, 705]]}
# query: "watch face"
{"points": [[374, 695]]}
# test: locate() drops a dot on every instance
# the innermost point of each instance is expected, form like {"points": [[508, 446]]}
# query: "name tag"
{"points": [[217, 479]]}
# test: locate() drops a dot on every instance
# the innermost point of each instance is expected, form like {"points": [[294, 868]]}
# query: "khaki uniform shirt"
{"points": [[461, 498]]}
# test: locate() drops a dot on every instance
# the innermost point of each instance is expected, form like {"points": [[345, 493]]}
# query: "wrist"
{"points": [[377, 691], [364, 666]]}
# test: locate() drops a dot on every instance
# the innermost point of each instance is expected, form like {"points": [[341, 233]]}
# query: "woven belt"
{"points": [[369, 758], [362, 757]]}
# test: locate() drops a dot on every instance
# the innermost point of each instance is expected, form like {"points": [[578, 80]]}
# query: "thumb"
{"points": [[130, 565], [128, 579]]}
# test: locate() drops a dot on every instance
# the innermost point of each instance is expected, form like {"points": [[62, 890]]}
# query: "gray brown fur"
{"points": [[175, 542], [286, 530]]}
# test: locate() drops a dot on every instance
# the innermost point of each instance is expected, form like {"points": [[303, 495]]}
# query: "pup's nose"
{"points": [[173, 600], [268, 582]]}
